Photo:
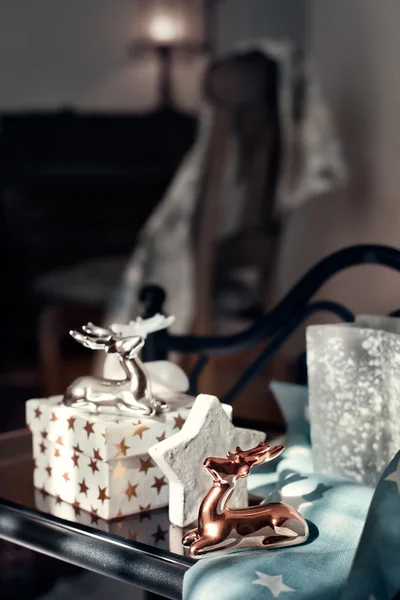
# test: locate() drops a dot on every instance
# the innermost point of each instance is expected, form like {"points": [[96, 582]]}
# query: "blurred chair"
{"points": [[266, 146], [242, 91]]}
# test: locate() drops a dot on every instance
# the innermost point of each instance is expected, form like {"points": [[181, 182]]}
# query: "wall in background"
{"points": [[244, 19], [75, 53], [355, 47]]}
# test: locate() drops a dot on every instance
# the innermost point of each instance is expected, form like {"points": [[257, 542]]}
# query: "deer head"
{"points": [[101, 338], [239, 463], [129, 347]]}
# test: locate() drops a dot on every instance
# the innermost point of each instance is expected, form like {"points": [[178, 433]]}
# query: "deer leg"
{"points": [[201, 543], [136, 408], [275, 539], [81, 403], [160, 404], [191, 536]]}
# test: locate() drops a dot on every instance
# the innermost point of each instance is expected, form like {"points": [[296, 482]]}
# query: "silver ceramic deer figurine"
{"points": [[131, 395]]}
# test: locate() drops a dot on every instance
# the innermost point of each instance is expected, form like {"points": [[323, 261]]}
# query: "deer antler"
{"points": [[260, 447], [258, 455], [97, 332], [96, 338]]}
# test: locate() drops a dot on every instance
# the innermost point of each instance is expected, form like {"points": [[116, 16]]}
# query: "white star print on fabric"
{"points": [[395, 476], [273, 582]]}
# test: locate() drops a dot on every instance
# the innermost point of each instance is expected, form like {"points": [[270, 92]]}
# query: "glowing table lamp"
{"points": [[168, 26]]}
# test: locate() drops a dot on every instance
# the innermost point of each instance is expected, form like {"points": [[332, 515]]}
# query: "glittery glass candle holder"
{"points": [[354, 391]]}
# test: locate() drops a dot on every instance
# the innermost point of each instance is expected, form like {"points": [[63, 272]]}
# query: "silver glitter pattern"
{"points": [[354, 389]]}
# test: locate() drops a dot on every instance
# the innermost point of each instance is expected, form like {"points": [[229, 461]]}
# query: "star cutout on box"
{"points": [[140, 429], [53, 416], [161, 438], [145, 465], [274, 583], [395, 477], [119, 471], [179, 422], [103, 494], [57, 453], [159, 483], [89, 428], [66, 477], [44, 492], [42, 448], [38, 413], [49, 470], [121, 448], [76, 506], [44, 434], [131, 490], [71, 422], [77, 448], [159, 535], [144, 512], [132, 535], [96, 454], [59, 440], [207, 431], [75, 459], [58, 499], [83, 487], [93, 466], [94, 515]]}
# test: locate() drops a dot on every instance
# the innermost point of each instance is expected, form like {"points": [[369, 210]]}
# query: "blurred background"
{"points": [[258, 135]]}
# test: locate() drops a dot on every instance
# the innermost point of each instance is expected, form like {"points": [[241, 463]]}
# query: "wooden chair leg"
{"points": [[50, 333]]}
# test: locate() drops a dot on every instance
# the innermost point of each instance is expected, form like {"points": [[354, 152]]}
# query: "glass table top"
{"points": [[151, 528], [143, 549]]}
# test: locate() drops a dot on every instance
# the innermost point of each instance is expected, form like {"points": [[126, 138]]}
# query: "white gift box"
{"points": [[100, 462]]}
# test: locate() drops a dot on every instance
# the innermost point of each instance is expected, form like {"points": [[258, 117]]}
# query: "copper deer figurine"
{"points": [[272, 525], [132, 395]]}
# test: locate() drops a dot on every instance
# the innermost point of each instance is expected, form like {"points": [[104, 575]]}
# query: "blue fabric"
{"points": [[336, 511], [340, 532], [292, 400], [376, 570]]}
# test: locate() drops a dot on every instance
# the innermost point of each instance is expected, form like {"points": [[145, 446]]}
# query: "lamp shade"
{"points": [[169, 22]]}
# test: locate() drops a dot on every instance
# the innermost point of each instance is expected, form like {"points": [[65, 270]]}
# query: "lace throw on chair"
{"points": [[310, 164]]}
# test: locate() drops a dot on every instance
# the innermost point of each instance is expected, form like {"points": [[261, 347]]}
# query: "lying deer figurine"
{"points": [[131, 395], [270, 526]]}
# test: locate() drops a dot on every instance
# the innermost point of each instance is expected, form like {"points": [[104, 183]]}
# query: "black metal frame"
{"points": [[153, 570], [274, 328]]}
